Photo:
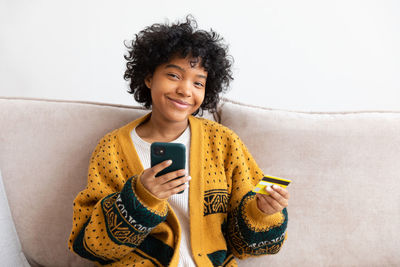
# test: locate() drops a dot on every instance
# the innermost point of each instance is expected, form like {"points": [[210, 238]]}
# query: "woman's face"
{"points": [[177, 88]]}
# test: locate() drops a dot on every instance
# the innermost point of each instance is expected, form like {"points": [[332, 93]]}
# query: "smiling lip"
{"points": [[179, 103]]}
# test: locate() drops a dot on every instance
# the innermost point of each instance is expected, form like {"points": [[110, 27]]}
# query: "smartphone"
{"points": [[269, 181], [168, 151]]}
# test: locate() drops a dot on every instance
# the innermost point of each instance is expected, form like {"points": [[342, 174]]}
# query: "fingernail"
{"points": [[189, 178], [269, 188], [169, 161], [275, 186]]}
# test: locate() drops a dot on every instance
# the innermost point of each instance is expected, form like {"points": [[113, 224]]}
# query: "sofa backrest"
{"points": [[344, 208], [345, 202], [45, 151]]}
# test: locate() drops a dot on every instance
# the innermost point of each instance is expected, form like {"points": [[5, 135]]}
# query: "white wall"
{"points": [[301, 55]]}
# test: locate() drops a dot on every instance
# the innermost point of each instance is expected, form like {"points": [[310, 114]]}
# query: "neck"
{"points": [[157, 130]]}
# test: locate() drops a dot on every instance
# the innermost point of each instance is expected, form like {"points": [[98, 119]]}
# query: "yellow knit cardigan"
{"points": [[118, 222]]}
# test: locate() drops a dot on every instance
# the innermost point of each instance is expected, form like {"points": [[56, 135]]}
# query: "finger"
{"points": [[160, 166], [282, 191], [273, 203], [260, 197], [173, 191], [178, 189], [263, 204], [176, 182], [284, 195], [275, 195], [172, 175], [263, 198]]}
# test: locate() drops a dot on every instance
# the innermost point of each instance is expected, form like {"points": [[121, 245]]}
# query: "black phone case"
{"points": [[173, 151]]}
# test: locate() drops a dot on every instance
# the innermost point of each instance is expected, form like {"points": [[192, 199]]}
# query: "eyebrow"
{"points": [[182, 69]]}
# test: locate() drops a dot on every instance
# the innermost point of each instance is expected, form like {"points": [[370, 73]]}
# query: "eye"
{"points": [[199, 84], [173, 75]]}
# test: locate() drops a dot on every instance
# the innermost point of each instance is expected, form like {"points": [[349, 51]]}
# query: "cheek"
{"points": [[199, 97], [155, 91]]}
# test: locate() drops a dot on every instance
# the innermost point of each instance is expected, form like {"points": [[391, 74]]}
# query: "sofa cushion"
{"points": [[10, 253], [45, 155], [344, 208], [46, 148]]}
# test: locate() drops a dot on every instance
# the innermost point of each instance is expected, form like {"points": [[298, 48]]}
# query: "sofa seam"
{"points": [[235, 102], [219, 113], [73, 102]]}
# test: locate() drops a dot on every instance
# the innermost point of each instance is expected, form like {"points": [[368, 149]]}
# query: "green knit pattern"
{"points": [[124, 212], [247, 240]]}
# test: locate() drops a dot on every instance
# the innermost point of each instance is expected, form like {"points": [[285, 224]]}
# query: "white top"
{"points": [[179, 202]]}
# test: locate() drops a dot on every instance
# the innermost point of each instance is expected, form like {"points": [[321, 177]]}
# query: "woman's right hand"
{"points": [[166, 185]]}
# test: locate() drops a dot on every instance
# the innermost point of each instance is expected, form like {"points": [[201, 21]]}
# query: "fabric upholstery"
{"points": [[344, 208], [44, 158], [11, 252], [345, 203]]}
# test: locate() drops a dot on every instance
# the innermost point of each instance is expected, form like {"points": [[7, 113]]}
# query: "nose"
{"points": [[184, 88]]}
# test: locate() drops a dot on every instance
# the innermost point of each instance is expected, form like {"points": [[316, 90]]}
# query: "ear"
{"points": [[148, 80]]}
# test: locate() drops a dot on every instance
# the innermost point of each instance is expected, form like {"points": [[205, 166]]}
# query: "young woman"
{"points": [[127, 217]]}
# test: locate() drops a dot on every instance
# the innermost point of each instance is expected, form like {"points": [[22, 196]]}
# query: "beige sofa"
{"points": [[345, 196]]}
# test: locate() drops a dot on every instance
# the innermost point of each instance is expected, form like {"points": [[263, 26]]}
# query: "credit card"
{"points": [[269, 181]]}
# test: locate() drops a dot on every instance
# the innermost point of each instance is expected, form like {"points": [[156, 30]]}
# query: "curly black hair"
{"points": [[158, 43]]}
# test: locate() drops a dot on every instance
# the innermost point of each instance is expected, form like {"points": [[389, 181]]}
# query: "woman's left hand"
{"points": [[276, 201]]}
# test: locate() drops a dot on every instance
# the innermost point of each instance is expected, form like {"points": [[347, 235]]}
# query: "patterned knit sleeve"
{"points": [[110, 218], [250, 232]]}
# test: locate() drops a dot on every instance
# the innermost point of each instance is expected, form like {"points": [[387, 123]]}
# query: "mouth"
{"points": [[179, 103]]}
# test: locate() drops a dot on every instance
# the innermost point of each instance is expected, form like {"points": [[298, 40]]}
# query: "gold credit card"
{"points": [[269, 181]]}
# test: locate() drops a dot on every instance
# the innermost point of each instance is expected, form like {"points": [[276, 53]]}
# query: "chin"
{"points": [[177, 116]]}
